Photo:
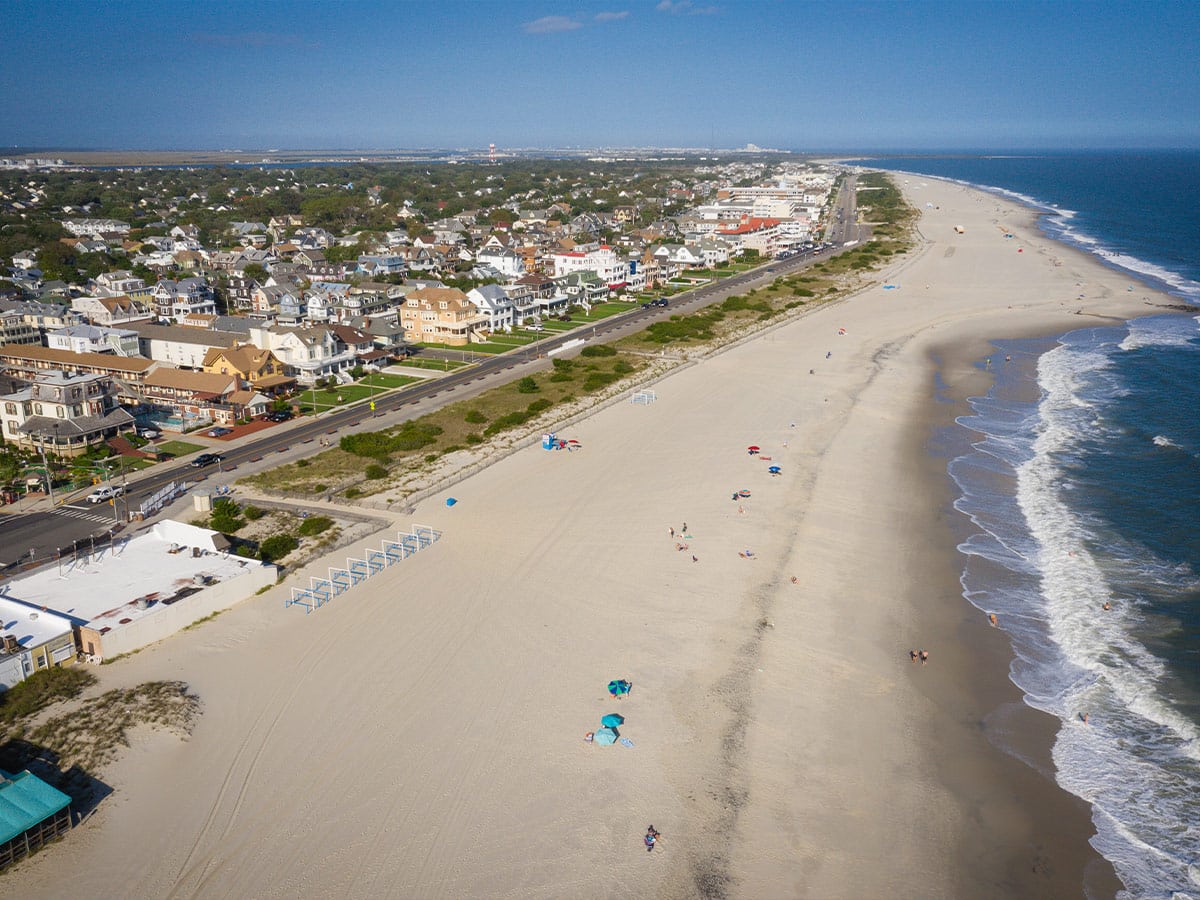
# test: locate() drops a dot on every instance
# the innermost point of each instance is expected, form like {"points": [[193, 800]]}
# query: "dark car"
{"points": [[661, 302], [647, 305], [279, 415], [219, 431], [206, 459]]}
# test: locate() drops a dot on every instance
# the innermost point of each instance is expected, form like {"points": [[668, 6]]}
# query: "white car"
{"points": [[105, 492], [149, 433]]}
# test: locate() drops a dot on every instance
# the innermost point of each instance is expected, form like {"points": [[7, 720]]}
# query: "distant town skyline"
{"points": [[819, 77]]}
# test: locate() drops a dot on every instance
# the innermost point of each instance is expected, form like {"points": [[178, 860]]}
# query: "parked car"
{"points": [[105, 492], [206, 459], [219, 431], [149, 433], [277, 415], [536, 326], [647, 305], [661, 301]]}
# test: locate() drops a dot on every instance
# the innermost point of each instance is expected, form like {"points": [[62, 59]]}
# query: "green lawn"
{"points": [[440, 365], [386, 381], [178, 448]]}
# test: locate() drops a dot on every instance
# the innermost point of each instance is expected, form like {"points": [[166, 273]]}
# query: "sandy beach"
{"points": [[422, 736]]}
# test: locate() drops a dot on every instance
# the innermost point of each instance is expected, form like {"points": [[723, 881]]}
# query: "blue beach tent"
{"points": [[612, 720]]}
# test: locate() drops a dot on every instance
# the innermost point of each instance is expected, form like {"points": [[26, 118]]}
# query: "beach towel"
{"points": [[625, 742]]}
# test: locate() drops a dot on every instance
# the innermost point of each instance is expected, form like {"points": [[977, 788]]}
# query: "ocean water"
{"points": [[1080, 483]]}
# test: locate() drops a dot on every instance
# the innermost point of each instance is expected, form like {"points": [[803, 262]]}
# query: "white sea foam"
{"points": [[1137, 760]]}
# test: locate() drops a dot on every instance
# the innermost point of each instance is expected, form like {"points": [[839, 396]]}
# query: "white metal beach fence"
{"points": [[341, 578], [644, 398]]}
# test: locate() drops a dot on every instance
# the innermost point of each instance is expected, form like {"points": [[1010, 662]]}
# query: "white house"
{"points": [[493, 302], [94, 339], [604, 261]]}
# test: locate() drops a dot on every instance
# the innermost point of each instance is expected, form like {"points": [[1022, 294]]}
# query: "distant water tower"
{"points": [[491, 153]]}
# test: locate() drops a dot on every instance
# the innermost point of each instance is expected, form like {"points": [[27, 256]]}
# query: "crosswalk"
{"points": [[81, 512]]}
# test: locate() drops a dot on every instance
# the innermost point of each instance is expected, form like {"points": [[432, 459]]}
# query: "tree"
{"points": [[256, 271]]}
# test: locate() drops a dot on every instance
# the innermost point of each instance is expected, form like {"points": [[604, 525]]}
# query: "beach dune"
{"points": [[422, 736]]}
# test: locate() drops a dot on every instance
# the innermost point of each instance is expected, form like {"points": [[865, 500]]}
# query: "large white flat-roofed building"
{"points": [[142, 589]]}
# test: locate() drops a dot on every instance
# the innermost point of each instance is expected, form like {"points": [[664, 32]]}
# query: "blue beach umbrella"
{"points": [[612, 720], [606, 736], [774, 470], [450, 501], [619, 687]]}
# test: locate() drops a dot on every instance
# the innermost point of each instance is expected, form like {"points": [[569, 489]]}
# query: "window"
{"points": [[10, 408], [37, 409]]}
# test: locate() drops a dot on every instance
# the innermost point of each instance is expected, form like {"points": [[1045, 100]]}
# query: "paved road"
{"points": [[42, 533]]}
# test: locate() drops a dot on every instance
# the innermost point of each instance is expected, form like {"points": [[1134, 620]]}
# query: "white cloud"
{"points": [[685, 7], [551, 25], [612, 16]]}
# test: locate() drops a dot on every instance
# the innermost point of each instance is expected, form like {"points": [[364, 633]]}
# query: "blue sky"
{"points": [[700, 73]]}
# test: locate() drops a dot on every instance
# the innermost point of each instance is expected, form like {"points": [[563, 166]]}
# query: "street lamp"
{"points": [[46, 470]]}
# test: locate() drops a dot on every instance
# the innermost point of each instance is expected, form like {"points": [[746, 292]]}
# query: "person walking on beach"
{"points": [[672, 530], [924, 654], [912, 654], [651, 838]]}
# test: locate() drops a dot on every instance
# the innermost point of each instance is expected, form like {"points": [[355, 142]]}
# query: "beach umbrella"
{"points": [[753, 447], [774, 470], [619, 687], [450, 501], [606, 736], [612, 720]]}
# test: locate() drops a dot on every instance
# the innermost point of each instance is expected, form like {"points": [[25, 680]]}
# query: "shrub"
{"points": [[373, 444], [302, 464], [560, 377], [527, 385], [474, 438], [375, 472], [598, 350], [352, 492], [620, 367], [474, 417], [225, 516], [318, 488], [41, 689], [538, 406], [314, 525], [277, 546], [597, 380], [562, 365], [802, 292]]}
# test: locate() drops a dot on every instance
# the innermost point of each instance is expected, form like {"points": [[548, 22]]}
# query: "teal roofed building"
{"points": [[32, 813]]}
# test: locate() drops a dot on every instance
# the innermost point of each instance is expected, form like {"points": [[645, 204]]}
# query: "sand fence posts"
{"points": [[356, 571]]}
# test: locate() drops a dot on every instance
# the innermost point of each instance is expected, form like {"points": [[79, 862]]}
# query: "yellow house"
{"points": [[258, 368], [439, 316]]}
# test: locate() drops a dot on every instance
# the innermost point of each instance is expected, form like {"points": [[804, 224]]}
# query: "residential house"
{"points": [[176, 299], [120, 283], [309, 352], [94, 339], [258, 369], [509, 263], [31, 640], [44, 315], [603, 261], [64, 413], [439, 315], [14, 329], [494, 304]]}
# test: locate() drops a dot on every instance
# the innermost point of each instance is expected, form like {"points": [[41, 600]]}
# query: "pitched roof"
{"points": [[187, 380], [70, 360]]}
